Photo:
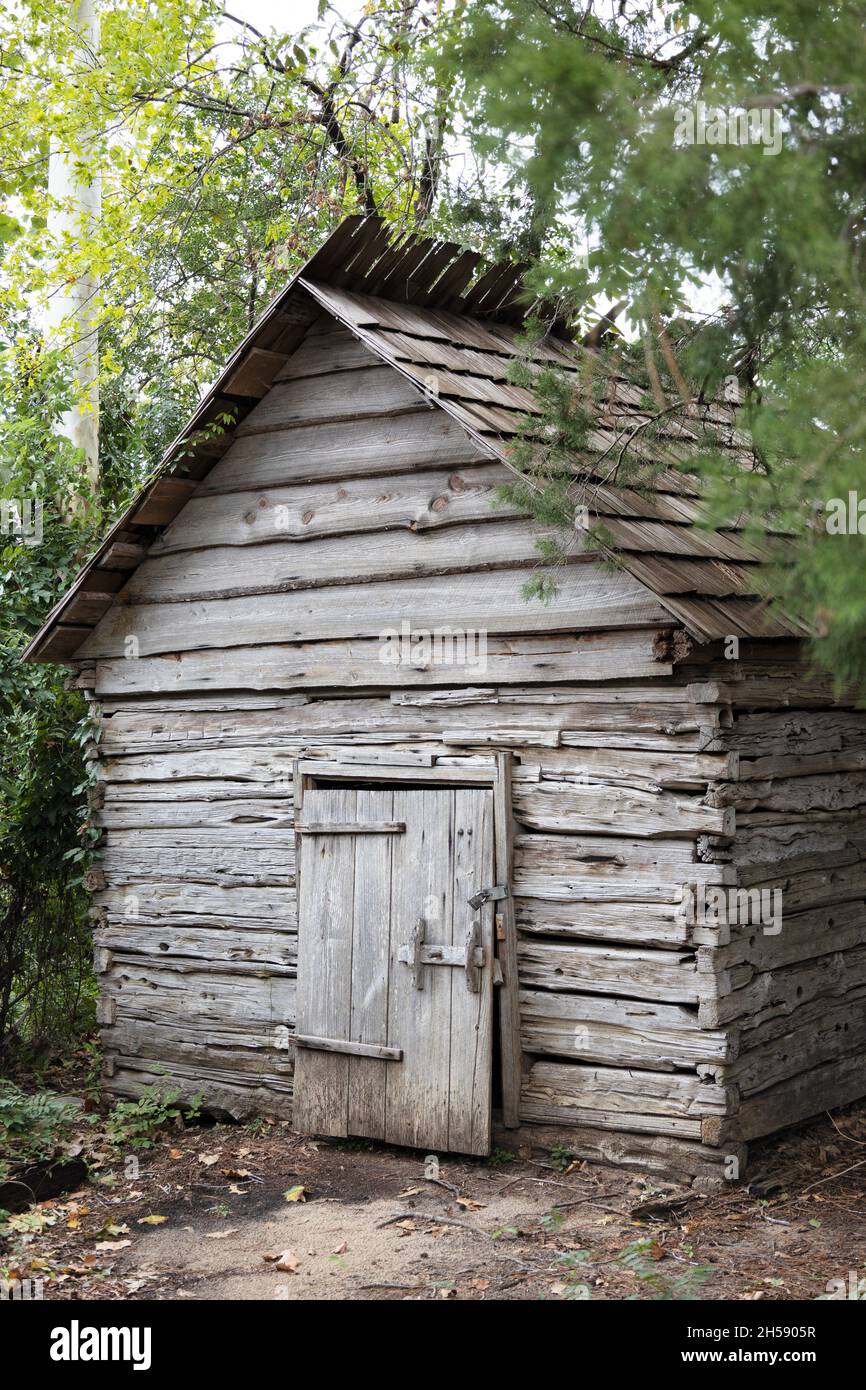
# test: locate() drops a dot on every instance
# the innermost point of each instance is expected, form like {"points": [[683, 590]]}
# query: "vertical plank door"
{"points": [[395, 977]]}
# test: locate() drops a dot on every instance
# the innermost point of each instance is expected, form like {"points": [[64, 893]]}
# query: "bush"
{"points": [[46, 988], [33, 1128], [135, 1123]]}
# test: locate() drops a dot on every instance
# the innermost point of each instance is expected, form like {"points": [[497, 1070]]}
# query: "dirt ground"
{"points": [[234, 1212]]}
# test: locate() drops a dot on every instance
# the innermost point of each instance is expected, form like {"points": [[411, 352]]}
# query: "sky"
{"points": [[284, 14]]}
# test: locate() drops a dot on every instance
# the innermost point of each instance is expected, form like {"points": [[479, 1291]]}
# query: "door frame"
{"points": [[311, 771]]}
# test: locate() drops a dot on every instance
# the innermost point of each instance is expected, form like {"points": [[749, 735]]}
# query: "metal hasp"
{"points": [[488, 895]]}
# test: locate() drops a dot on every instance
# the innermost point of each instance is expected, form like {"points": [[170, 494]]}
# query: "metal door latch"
{"points": [[488, 895]]}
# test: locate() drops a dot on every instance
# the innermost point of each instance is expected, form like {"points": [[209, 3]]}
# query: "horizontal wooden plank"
{"points": [[410, 501], [613, 1098], [587, 597], [353, 1049], [644, 924], [812, 1092], [782, 991], [175, 813], [198, 903], [358, 664], [325, 353], [350, 449], [233, 865], [624, 1033], [271, 946], [798, 795], [374, 390], [384, 772], [668, 976], [279, 564], [783, 1048], [394, 827], [696, 1164], [599, 806]]}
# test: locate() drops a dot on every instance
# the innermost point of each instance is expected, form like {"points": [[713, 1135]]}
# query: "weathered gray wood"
{"points": [[697, 1164], [385, 827], [197, 902], [140, 815], [618, 1032], [670, 976], [593, 806], [351, 507], [784, 990], [280, 565], [611, 1098], [356, 664], [372, 927], [228, 1091], [803, 936], [506, 944], [325, 918], [324, 353], [372, 390], [351, 1049], [385, 772], [796, 795], [639, 924], [274, 945], [127, 859], [470, 1070], [820, 1089], [423, 439], [440, 1094], [587, 596], [784, 1047], [786, 733], [180, 992]]}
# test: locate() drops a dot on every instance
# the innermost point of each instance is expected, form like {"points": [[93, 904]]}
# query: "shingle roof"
{"points": [[419, 305]]}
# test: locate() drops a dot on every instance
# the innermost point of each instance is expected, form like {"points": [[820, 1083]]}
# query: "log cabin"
{"points": [[392, 850]]}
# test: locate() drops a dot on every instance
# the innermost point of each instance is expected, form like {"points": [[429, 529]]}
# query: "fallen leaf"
{"points": [[112, 1244], [238, 1191], [175, 1153], [236, 1172], [270, 1255], [288, 1262], [208, 1159], [341, 1248], [295, 1194], [469, 1205], [220, 1235], [111, 1229], [151, 1220]]}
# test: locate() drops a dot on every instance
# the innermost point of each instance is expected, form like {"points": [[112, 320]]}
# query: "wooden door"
{"points": [[395, 968]]}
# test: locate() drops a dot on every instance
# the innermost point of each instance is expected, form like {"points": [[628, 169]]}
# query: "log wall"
{"points": [[643, 777]]}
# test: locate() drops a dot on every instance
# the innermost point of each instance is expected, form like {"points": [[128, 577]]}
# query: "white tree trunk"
{"points": [[70, 317]]}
